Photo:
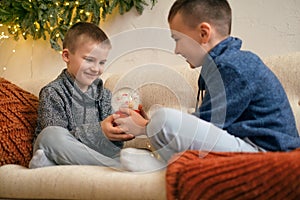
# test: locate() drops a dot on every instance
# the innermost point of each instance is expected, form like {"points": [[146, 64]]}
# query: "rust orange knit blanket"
{"points": [[18, 114], [272, 175]]}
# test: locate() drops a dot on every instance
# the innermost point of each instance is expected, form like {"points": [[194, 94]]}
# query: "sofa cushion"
{"points": [[286, 68], [272, 175], [18, 113]]}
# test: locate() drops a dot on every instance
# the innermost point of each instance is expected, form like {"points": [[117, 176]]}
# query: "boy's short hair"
{"points": [[194, 12], [86, 29]]}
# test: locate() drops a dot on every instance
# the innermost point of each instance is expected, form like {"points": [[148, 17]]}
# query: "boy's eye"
{"points": [[89, 59], [102, 63]]}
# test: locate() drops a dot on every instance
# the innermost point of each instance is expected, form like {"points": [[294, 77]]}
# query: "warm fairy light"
{"points": [[14, 51], [3, 36], [40, 25]]}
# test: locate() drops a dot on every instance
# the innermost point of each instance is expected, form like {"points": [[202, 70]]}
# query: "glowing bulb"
{"points": [[57, 35], [3, 36], [14, 51], [4, 68], [76, 3], [87, 13]]}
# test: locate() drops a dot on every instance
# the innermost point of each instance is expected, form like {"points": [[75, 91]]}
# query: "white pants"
{"points": [[171, 131]]}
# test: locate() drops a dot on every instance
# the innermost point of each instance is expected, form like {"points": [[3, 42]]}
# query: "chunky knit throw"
{"points": [[271, 175], [18, 113]]}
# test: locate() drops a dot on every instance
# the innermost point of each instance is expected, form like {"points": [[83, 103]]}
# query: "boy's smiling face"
{"points": [[188, 41], [87, 63]]}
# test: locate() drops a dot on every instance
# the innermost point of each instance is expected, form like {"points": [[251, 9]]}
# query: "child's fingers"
{"points": [[125, 110], [142, 111]]}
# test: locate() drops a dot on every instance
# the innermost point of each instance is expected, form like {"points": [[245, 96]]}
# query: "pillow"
{"points": [[271, 175], [18, 114]]}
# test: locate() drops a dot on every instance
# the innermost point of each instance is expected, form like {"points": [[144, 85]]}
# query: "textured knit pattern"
{"points": [[245, 98], [62, 103], [234, 176], [18, 113]]}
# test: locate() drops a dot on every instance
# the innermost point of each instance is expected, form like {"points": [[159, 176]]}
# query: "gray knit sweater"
{"points": [[62, 103]]}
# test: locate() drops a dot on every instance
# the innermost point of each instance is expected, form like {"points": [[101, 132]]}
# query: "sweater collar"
{"points": [[228, 43], [94, 90]]}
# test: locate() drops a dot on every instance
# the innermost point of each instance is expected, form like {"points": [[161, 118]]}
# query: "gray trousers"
{"points": [[62, 148], [171, 131]]}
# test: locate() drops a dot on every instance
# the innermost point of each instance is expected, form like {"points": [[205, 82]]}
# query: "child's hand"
{"points": [[131, 121], [142, 112], [114, 133]]}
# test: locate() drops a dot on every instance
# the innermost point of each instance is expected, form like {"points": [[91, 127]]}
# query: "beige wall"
{"points": [[267, 27]]}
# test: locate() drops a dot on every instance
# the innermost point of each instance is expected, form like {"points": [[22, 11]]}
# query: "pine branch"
{"points": [[52, 18]]}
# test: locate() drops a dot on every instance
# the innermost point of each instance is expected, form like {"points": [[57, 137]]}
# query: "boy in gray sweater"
{"points": [[74, 105]]}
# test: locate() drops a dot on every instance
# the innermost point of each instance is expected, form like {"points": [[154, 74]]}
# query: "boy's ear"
{"points": [[65, 55], [204, 30]]}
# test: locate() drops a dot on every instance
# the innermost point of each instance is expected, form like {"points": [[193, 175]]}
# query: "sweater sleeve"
{"points": [[51, 111]]}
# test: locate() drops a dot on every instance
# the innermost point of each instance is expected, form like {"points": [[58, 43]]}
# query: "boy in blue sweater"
{"points": [[244, 107]]}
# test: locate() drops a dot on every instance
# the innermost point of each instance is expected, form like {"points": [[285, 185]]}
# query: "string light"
{"points": [[3, 36], [4, 66], [49, 16]]}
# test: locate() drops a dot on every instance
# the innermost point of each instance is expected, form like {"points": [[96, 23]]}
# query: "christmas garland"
{"points": [[40, 18]]}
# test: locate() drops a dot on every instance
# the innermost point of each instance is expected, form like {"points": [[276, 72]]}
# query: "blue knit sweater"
{"points": [[245, 98]]}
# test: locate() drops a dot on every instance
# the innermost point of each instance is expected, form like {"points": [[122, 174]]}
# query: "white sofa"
{"points": [[160, 86]]}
